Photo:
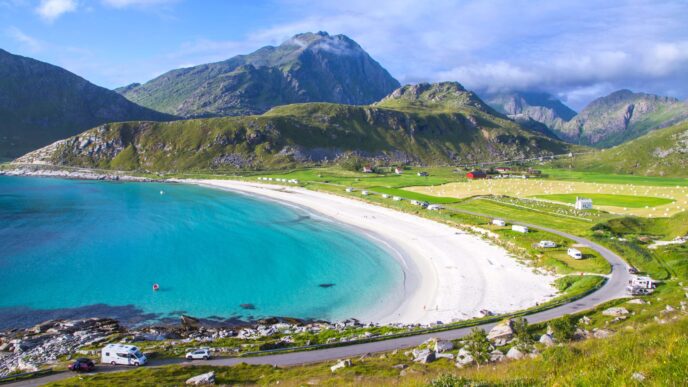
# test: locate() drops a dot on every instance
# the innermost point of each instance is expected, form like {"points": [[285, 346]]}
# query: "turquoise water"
{"points": [[84, 248]]}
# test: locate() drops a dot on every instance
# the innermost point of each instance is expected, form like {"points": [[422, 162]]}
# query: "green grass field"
{"points": [[609, 199], [611, 178]]}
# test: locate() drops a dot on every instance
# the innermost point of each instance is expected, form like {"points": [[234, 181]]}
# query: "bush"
{"points": [[564, 328]]}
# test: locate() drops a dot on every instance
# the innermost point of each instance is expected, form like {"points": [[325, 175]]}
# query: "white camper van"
{"points": [[519, 228], [122, 354], [575, 253]]}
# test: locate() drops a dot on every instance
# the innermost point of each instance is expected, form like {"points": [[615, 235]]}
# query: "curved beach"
{"points": [[449, 274]]}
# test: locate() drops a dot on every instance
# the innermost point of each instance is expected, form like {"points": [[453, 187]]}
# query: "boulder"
{"points": [[547, 340], [581, 334], [638, 377], [444, 356], [463, 358], [497, 356], [425, 356], [601, 333], [514, 354], [584, 320], [202, 379], [443, 346], [502, 331], [189, 322], [400, 366], [341, 364], [615, 312]]}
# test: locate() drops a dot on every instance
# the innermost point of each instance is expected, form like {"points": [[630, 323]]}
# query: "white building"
{"points": [[499, 222], [519, 228], [583, 204]]}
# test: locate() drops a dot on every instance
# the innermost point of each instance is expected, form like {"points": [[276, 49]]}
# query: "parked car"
{"points": [[199, 354], [82, 364], [632, 270]]}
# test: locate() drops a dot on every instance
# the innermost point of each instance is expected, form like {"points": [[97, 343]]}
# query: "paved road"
{"points": [[615, 287]]}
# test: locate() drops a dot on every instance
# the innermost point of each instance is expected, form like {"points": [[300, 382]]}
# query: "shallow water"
{"points": [[85, 248]]}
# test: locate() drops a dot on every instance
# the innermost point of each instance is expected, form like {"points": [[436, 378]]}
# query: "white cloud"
{"points": [[29, 43], [50, 10]]}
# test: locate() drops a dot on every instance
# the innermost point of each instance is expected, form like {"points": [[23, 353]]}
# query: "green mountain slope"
{"points": [[433, 128], [310, 67], [41, 103], [621, 116], [662, 152]]}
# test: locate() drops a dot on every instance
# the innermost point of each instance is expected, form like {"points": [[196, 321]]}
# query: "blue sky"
{"points": [[577, 50]]}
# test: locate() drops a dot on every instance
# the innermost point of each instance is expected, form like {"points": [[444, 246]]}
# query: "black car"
{"points": [[82, 365]]}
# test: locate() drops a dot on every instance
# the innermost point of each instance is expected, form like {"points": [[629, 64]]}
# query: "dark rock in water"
{"points": [[326, 285], [248, 306], [190, 322], [268, 321]]}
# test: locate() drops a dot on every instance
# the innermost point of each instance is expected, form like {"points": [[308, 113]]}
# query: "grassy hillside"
{"points": [[663, 152], [41, 103], [306, 134], [620, 117]]}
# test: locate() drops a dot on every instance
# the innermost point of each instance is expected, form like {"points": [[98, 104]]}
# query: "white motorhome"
{"points": [[122, 354], [519, 228], [499, 222], [574, 253], [547, 244]]}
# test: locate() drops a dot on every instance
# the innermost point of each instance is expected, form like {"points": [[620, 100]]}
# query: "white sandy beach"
{"points": [[450, 274]]}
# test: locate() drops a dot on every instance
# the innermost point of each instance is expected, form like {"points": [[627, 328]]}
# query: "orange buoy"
{"points": [[156, 287]]}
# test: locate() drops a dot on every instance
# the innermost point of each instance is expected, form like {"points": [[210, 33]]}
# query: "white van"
{"points": [[122, 354], [575, 253]]}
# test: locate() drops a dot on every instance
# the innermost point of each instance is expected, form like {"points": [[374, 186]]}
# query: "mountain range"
{"points": [[41, 103], [436, 124], [607, 121], [661, 152], [309, 67]]}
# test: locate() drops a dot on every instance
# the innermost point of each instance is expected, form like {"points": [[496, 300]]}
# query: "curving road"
{"points": [[614, 288]]}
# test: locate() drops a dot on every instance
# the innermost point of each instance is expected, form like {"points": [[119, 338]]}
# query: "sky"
{"points": [[576, 50]]}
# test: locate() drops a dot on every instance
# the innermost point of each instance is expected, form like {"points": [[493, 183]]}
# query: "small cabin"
{"points": [[547, 244], [473, 175], [398, 170], [519, 228], [498, 222], [574, 253], [583, 204], [367, 169]]}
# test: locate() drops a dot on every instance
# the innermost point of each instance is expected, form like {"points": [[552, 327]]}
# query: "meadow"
{"points": [[609, 200]]}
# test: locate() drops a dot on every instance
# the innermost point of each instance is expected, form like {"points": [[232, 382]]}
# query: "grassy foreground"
{"points": [[657, 351]]}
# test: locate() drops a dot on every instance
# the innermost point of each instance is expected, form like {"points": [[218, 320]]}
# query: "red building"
{"points": [[476, 175]]}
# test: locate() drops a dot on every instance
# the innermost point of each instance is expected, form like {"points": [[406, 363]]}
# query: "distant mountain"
{"points": [[524, 107], [41, 103], [662, 152], [436, 124], [309, 67], [621, 116]]}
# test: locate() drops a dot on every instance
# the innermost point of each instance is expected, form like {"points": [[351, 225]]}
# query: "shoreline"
{"points": [[450, 275]]}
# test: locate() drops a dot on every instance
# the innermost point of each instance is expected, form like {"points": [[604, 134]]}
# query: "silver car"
{"points": [[198, 354]]}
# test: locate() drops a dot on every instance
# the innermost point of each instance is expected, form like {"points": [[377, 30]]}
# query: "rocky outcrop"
{"points": [[341, 364], [615, 311], [205, 379], [26, 350], [502, 332]]}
